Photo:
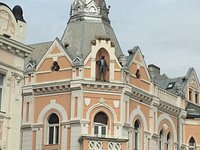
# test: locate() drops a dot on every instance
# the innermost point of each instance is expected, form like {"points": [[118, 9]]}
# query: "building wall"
{"points": [[12, 53]]}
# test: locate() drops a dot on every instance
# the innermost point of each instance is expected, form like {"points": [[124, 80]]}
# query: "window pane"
{"points": [[103, 130], [95, 129], [101, 117], [136, 140], [51, 130], [57, 134], [53, 119]]}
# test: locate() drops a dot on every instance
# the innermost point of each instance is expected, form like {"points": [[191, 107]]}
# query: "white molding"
{"points": [[98, 105], [52, 105], [141, 114], [167, 117]]}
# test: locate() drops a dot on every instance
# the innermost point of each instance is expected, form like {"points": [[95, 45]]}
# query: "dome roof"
{"points": [[18, 13]]}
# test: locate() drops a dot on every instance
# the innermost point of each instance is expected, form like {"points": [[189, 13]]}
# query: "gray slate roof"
{"points": [[193, 111], [39, 51], [173, 85], [79, 35]]}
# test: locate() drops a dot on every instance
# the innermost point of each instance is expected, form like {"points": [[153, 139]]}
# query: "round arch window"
{"points": [[101, 124], [53, 129]]}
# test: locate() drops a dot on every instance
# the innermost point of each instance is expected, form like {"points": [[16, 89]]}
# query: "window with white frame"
{"points": [[161, 140], [101, 124], [137, 135], [53, 129], [192, 144], [1, 90], [168, 141]]}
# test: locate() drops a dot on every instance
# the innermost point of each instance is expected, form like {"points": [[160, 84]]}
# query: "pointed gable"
{"points": [[55, 54], [193, 80], [139, 75], [192, 87]]}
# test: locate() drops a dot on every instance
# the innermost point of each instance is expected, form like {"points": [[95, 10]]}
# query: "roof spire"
{"points": [[88, 9]]}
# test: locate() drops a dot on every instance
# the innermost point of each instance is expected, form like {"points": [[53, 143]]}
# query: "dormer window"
{"points": [[55, 66], [171, 85]]}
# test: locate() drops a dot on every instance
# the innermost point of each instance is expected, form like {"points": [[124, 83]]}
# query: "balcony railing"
{"points": [[97, 143], [167, 96]]}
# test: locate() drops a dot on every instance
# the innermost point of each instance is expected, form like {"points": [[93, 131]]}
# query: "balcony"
{"points": [[97, 143]]}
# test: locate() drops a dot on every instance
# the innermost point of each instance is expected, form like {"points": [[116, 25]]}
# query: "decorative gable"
{"points": [[53, 54], [192, 86], [193, 81], [55, 64], [137, 65], [139, 75]]}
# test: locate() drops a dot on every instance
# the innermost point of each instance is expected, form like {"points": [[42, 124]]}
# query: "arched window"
{"points": [[53, 129], [192, 144], [168, 141], [137, 134], [101, 124], [161, 140], [55, 66]]}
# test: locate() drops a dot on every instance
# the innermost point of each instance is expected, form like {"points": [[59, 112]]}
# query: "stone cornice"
{"points": [[140, 95], [168, 108], [51, 88], [102, 86], [15, 47]]}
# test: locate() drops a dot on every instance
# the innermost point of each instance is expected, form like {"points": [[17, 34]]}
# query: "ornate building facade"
{"points": [[82, 92], [12, 54]]}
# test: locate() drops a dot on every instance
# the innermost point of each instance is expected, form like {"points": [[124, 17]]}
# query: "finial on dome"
{"points": [[89, 9]]}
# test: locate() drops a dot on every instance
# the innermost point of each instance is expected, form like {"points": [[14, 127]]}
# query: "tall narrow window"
{"points": [[1, 90], [196, 98], [100, 124], [192, 144], [190, 95], [27, 112], [137, 134], [53, 129], [168, 141], [161, 140]]}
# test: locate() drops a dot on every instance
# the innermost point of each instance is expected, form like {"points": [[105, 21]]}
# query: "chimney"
{"points": [[153, 69]]}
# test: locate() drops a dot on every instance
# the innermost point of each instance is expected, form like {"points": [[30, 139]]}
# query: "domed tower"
{"points": [[12, 23], [88, 20]]}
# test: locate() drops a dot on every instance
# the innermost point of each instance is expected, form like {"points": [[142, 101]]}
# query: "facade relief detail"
{"points": [[6, 22]]}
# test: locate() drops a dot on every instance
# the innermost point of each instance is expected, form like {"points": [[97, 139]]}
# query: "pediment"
{"points": [[193, 80], [138, 62], [54, 52]]}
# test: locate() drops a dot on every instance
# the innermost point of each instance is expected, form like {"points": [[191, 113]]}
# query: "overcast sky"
{"points": [[167, 31]]}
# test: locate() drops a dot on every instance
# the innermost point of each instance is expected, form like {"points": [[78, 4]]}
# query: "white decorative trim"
{"points": [[87, 101], [167, 117], [141, 114], [55, 43], [116, 103], [98, 105], [52, 105], [55, 58]]}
